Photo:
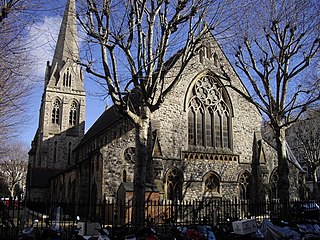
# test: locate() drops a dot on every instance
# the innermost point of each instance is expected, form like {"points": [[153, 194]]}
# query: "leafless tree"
{"points": [[279, 40], [139, 42], [10, 6], [13, 165], [305, 133], [15, 66]]}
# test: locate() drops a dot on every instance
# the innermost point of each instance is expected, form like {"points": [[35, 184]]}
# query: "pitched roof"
{"points": [[40, 177], [128, 187], [109, 117]]}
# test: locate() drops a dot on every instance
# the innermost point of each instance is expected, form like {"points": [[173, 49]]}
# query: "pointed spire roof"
{"points": [[67, 44]]}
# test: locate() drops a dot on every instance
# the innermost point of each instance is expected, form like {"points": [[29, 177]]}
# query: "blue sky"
{"points": [[43, 33]]}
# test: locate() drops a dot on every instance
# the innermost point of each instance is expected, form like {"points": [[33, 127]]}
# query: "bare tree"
{"points": [[13, 167], [278, 42], [305, 133], [15, 66], [9, 6], [139, 43]]}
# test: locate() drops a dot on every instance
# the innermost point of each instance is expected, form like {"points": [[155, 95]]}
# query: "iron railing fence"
{"points": [[16, 215]]}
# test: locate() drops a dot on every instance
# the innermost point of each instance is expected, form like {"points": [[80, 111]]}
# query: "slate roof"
{"points": [[40, 177], [109, 117], [128, 186]]}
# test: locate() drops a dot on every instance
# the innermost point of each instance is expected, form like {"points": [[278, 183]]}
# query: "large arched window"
{"points": [[174, 182], [209, 115], [73, 115], [55, 118]]}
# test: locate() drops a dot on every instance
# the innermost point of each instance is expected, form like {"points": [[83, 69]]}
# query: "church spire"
{"points": [[67, 44]]}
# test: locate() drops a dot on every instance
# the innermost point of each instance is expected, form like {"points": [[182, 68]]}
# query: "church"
{"points": [[206, 143]]}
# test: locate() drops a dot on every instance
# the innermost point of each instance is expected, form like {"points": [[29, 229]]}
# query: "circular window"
{"points": [[129, 155]]}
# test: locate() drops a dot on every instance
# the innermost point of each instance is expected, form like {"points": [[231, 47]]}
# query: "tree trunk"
{"points": [[11, 190], [283, 168], [315, 191], [141, 160]]}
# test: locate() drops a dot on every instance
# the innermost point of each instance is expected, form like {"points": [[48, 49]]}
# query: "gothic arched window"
{"points": [[67, 78], [212, 183], [124, 175], [174, 184], [73, 115], [209, 115], [245, 185], [56, 112]]}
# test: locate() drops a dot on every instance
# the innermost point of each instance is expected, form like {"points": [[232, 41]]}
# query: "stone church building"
{"points": [[206, 138]]}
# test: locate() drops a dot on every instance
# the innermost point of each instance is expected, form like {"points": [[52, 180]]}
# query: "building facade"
{"points": [[62, 111], [206, 142]]}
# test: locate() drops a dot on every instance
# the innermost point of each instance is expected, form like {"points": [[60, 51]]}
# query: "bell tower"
{"points": [[62, 112]]}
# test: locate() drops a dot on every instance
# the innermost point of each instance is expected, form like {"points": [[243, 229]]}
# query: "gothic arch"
{"points": [[124, 175], [245, 185], [209, 73], [211, 181], [56, 110], [74, 112], [209, 112], [173, 184], [67, 77]]}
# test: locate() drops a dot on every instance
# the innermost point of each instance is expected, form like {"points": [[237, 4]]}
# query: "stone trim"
{"points": [[210, 157]]}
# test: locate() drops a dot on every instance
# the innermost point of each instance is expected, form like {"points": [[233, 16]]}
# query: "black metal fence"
{"points": [[15, 215]]}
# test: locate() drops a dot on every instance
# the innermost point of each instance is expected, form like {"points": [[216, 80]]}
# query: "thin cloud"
{"points": [[43, 35]]}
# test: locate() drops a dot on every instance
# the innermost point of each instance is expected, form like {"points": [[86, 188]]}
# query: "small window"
{"points": [[124, 175], [245, 185], [174, 182], [73, 115], [129, 155], [56, 112], [212, 183], [67, 78], [215, 60]]}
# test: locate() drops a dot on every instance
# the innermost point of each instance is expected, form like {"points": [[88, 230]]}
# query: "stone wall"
{"points": [[172, 134]]}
